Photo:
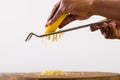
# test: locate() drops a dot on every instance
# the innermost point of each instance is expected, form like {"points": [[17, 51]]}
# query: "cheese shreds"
{"points": [[52, 72], [53, 27], [54, 37]]}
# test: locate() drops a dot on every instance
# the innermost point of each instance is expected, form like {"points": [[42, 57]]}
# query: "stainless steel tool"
{"points": [[66, 30]]}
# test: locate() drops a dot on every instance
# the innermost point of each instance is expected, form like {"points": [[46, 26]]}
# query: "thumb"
{"points": [[94, 28]]}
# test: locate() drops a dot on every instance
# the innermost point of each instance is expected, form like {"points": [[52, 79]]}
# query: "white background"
{"points": [[80, 50]]}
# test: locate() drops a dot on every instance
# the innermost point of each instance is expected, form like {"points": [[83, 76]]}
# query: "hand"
{"points": [[77, 10], [109, 30]]}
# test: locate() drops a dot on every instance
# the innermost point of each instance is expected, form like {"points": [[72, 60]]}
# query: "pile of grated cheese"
{"points": [[52, 72]]}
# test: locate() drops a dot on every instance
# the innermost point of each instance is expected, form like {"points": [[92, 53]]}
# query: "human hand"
{"points": [[110, 30], [77, 10]]}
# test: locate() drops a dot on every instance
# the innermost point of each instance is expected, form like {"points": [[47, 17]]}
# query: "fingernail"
{"points": [[47, 24]]}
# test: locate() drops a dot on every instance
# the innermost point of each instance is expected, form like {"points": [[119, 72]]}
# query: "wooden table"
{"points": [[68, 76]]}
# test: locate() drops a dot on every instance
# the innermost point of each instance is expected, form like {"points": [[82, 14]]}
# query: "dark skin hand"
{"points": [[83, 9], [110, 30]]}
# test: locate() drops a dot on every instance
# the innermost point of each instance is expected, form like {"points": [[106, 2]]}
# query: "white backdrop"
{"points": [[80, 50]]}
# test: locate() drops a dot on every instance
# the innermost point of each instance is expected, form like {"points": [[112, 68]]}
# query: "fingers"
{"points": [[67, 20], [57, 12], [54, 10], [107, 30], [70, 18], [110, 30], [96, 27]]}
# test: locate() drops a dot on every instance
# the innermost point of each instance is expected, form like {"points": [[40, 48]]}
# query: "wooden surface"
{"points": [[68, 76]]}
